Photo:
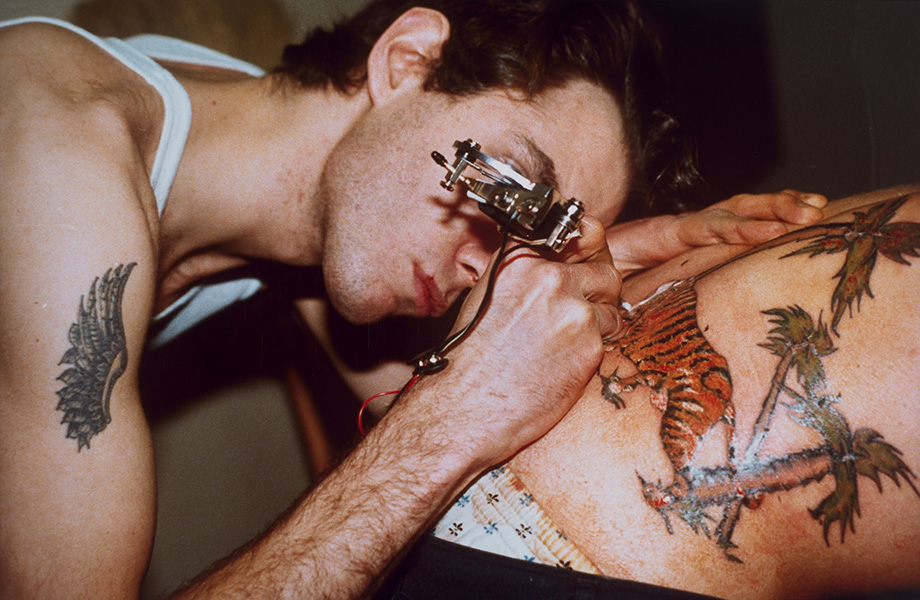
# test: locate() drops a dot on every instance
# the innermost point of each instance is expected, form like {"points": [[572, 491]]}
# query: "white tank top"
{"points": [[137, 53]]}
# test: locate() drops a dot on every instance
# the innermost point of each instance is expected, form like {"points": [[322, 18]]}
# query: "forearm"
{"points": [[511, 380], [354, 523]]}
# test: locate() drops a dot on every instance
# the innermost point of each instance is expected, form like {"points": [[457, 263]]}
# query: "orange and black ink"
{"points": [[688, 378], [691, 382]]}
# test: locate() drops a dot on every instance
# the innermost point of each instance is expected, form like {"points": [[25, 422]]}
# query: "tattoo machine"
{"points": [[532, 212]]}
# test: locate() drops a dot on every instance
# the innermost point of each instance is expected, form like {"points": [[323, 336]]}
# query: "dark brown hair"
{"points": [[529, 46]]}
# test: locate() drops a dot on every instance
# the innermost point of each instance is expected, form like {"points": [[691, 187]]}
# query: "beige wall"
{"points": [[227, 465], [304, 13], [254, 31]]}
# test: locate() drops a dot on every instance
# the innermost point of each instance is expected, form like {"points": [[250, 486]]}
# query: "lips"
{"points": [[429, 299]]}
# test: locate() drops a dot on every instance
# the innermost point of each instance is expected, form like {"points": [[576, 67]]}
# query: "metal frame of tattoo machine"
{"points": [[524, 210], [530, 211]]}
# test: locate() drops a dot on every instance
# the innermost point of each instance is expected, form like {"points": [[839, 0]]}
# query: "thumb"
{"points": [[609, 320], [590, 246]]}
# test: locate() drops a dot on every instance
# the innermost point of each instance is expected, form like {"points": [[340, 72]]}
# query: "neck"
{"points": [[247, 184]]}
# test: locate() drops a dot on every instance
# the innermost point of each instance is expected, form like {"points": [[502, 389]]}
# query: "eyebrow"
{"points": [[545, 167]]}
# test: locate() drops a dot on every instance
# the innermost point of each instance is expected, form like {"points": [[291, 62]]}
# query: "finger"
{"points": [[590, 246], [600, 285], [598, 282], [788, 206], [609, 319], [751, 233], [812, 199], [722, 227], [805, 207]]}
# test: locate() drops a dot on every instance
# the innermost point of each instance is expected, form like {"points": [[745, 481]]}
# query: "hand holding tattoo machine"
{"points": [[533, 213]]}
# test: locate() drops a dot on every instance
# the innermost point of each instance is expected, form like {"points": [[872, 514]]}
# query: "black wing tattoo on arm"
{"points": [[98, 357]]}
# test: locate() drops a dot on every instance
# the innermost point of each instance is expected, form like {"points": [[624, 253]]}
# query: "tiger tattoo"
{"points": [[689, 381]]}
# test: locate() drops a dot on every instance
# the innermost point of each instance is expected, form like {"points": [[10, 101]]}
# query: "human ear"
{"points": [[402, 57]]}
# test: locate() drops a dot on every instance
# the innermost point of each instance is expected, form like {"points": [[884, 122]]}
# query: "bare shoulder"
{"points": [[57, 50], [59, 88], [79, 259], [71, 115], [867, 199], [754, 431], [42, 56]]}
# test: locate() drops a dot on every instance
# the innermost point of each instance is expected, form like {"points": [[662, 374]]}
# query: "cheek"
{"points": [[608, 214]]}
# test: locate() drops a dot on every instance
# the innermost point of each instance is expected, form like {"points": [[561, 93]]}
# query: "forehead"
{"points": [[571, 137]]}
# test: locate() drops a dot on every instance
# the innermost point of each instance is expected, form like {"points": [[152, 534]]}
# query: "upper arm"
{"points": [[77, 498]]}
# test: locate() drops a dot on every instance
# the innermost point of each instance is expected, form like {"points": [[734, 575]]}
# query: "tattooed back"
{"points": [[754, 430]]}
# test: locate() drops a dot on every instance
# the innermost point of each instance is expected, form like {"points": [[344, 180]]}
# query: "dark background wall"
{"points": [[817, 95]]}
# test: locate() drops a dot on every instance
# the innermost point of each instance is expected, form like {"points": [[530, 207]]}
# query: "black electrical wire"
{"points": [[433, 360]]}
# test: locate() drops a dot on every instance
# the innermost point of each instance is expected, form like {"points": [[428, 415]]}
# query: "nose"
{"points": [[473, 257]]}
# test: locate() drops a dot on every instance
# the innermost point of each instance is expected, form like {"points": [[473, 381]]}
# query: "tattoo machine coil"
{"points": [[529, 211]]}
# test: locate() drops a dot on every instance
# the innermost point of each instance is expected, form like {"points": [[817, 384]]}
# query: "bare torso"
{"points": [[795, 512]]}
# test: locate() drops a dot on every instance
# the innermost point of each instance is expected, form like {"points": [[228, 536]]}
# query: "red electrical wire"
{"points": [[458, 337], [375, 396]]}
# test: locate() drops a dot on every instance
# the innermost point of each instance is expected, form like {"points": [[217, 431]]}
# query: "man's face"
{"points": [[396, 242]]}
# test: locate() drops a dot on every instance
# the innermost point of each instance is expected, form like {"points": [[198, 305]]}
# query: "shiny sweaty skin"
{"points": [[588, 472]]}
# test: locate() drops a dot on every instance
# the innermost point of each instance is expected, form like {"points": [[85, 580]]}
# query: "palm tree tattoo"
{"points": [[690, 383], [97, 357]]}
